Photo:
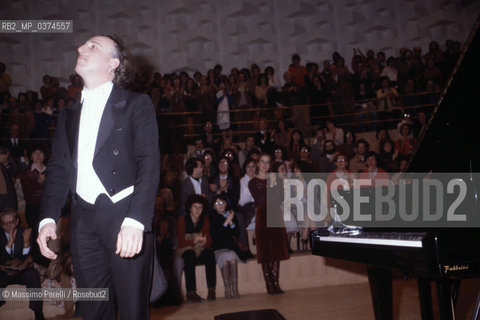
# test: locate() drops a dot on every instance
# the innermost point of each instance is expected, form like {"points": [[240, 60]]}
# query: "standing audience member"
{"points": [[271, 242], [334, 133]]}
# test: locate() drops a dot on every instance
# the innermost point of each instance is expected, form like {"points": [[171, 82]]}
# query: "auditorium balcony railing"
{"points": [[358, 115]]}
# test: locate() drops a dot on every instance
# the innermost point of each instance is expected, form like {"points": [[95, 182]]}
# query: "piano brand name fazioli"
{"points": [[454, 268]]}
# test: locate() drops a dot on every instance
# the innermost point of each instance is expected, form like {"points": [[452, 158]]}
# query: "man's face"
{"points": [[250, 142], [9, 222], [199, 145], [329, 147], [95, 57], [198, 170], [361, 149]]}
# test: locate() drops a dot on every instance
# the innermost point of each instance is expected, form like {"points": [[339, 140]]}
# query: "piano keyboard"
{"points": [[412, 240]]}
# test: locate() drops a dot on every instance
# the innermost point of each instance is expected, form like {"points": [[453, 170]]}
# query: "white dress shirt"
{"points": [[197, 185], [245, 195], [89, 186]]}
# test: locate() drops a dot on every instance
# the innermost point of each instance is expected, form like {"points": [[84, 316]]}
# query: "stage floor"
{"points": [[343, 302]]}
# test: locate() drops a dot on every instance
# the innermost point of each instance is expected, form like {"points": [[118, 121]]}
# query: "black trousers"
{"points": [[28, 277], [94, 230], [206, 258]]}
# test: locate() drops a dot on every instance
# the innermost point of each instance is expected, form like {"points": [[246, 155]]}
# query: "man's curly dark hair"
{"points": [[125, 72]]}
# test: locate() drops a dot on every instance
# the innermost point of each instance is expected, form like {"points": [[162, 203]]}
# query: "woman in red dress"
{"points": [[271, 242]]}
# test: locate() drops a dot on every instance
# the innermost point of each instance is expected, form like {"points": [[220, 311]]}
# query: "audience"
{"points": [[208, 185]]}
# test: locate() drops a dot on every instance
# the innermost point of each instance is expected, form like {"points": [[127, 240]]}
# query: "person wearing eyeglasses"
{"points": [[15, 260], [225, 231]]}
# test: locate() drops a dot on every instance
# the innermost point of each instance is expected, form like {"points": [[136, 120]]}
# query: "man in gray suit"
{"points": [[193, 184], [105, 153]]}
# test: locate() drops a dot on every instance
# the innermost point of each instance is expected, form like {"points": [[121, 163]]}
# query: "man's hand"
{"points": [[12, 234], [48, 231], [129, 241], [26, 237]]}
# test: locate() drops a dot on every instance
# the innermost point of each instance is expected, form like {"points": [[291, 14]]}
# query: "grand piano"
{"points": [[449, 143]]}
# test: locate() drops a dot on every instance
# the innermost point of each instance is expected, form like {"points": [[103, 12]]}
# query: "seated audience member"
{"points": [[340, 172], [390, 71], [209, 139], [246, 209], [264, 138], [380, 135], [193, 184], [199, 150], [386, 95], [348, 147], [261, 91], [194, 246], [334, 133], [15, 144], [296, 142], [305, 156], [282, 134], [210, 169], [226, 183], [407, 119], [326, 162], [225, 231], [376, 175], [317, 144], [254, 154], [419, 123], [279, 154], [15, 261], [357, 163], [32, 179], [8, 172], [224, 102], [249, 146], [232, 157], [388, 156], [405, 144]]}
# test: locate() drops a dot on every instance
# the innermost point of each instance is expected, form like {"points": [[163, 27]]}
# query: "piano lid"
{"points": [[451, 140]]}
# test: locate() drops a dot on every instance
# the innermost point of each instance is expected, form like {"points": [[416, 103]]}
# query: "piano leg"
{"points": [[476, 311], [425, 295], [445, 299], [381, 290]]}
